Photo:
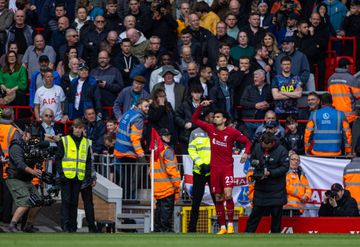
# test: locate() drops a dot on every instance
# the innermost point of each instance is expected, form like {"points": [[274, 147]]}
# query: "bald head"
{"points": [[133, 35], [63, 23], [19, 18], [234, 7], [129, 21], [194, 21]]}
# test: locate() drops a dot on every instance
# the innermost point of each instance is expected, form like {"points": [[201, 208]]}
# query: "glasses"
{"points": [[295, 159], [100, 21], [48, 115], [74, 35]]}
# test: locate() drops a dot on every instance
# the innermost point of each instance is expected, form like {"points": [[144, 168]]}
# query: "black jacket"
{"points": [[239, 80], [213, 47], [118, 61], [254, 38], [271, 191], [183, 115], [201, 36], [91, 41], [144, 20], [250, 97], [346, 206], [309, 46], [113, 22], [165, 29], [295, 142]]}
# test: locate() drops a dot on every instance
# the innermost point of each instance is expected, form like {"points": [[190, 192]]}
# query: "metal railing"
{"points": [[133, 178]]}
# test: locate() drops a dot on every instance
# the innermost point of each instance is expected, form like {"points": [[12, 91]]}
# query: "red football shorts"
{"points": [[220, 178]]}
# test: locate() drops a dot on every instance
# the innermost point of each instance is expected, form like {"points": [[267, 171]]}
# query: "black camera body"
{"points": [[331, 194], [38, 152], [35, 154], [259, 168]]}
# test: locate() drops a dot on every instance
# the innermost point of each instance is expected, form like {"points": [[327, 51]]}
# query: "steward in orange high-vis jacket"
{"points": [[297, 187], [166, 184], [345, 90]]}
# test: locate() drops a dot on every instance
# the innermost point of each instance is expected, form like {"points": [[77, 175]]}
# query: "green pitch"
{"points": [[175, 240]]}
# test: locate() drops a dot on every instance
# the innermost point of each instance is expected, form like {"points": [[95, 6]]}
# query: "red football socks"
{"points": [[220, 212], [230, 210]]}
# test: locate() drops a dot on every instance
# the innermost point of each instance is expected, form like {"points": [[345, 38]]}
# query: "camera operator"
{"points": [[271, 163], [338, 202], [20, 175], [73, 162]]}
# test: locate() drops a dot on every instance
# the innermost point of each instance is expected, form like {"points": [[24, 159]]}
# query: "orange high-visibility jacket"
{"points": [[296, 188], [351, 179], [7, 132], [251, 184], [345, 90], [166, 175]]}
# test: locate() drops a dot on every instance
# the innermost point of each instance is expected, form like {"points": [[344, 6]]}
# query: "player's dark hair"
{"points": [[224, 114]]}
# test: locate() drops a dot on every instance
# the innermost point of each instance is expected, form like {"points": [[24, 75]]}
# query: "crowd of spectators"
{"points": [[251, 58]]}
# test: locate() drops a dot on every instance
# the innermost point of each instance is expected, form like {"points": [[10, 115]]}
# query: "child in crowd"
{"points": [[109, 140], [111, 126], [294, 138]]}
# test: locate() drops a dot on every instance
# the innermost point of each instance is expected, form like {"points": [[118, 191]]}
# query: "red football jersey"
{"points": [[222, 141]]}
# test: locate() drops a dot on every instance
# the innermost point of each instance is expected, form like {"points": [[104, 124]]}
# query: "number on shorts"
{"points": [[229, 180]]}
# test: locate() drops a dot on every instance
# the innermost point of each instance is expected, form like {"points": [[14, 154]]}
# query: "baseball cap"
{"points": [[288, 39], [83, 66], [336, 187], [271, 124]]}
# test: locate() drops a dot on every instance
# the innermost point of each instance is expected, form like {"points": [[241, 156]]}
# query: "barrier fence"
{"points": [[133, 178]]}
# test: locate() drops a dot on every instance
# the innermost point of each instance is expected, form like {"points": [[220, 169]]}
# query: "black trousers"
{"points": [[87, 197], [199, 182], [164, 214], [70, 190], [259, 211], [6, 202]]}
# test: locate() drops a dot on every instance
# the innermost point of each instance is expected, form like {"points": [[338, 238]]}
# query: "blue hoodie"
{"points": [[337, 12]]}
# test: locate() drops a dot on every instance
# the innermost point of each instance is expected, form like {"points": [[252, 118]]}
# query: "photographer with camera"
{"points": [[338, 202], [20, 174], [73, 162], [271, 163]]}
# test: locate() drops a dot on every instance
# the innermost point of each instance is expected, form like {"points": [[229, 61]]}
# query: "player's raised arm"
{"points": [[195, 117]]}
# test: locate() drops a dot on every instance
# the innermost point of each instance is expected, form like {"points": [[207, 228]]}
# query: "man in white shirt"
{"points": [[50, 96]]}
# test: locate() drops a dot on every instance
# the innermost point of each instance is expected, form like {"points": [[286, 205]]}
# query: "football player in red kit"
{"points": [[222, 163]]}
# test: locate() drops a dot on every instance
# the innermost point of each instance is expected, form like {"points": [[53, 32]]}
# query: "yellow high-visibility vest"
{"points": [[74, 161]]}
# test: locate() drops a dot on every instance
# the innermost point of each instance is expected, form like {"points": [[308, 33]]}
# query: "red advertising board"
{"points": [[311, 225]]}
